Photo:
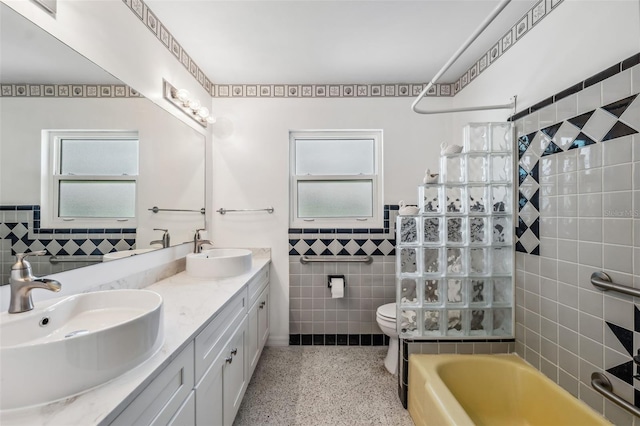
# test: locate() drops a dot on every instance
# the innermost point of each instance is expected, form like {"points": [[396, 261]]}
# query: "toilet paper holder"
{"points": [[330, 277]]}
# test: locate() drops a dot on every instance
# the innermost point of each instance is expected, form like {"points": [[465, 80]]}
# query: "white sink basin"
{"points": [[125, 253], [76, 343], [219, 263]]}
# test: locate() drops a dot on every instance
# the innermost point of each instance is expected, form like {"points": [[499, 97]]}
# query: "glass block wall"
{"points": [[454, 272]]}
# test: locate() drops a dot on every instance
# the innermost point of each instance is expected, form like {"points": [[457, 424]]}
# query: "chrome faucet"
{"points": [[198, 243], [22, 282], [165, 238]]}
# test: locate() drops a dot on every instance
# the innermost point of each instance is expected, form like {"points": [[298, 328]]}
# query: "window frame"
{"points": [[377, 218], [51, 177]]}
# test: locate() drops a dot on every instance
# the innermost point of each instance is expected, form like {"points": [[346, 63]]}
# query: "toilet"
{"points": [[386, 318]]}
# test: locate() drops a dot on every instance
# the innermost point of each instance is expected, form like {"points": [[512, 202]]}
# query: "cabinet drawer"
{"points": [[257, 283], [164, 396], [210, 342]]}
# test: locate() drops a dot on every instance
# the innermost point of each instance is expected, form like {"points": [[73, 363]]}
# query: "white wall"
{"points": [[577, 40], [251, 168]]}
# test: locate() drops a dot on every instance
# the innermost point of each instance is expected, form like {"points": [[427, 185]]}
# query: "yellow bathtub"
{"points": [[490, 390]]}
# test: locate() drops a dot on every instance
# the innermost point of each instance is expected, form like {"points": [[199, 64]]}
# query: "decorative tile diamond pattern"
{"points": [[609, 122], [625, 370], [27, 236], [346, 242]]}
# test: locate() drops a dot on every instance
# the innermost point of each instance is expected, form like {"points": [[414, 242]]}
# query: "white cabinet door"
{"points": [[220, 392], [258, 328], [186, 415], [234, 375], [253, 353], [263, 320], [209, 395]]}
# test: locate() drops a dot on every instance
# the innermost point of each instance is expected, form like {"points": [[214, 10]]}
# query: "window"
{"points": [[336, 179], [89, 179]]}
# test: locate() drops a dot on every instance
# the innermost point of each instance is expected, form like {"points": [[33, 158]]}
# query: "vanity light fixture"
{"points": [[182, 99]]}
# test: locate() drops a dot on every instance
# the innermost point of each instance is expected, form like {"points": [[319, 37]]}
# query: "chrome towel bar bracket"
{"points": [[601, 383], [604, 283]]}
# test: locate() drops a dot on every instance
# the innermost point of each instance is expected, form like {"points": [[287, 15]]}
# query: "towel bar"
{"points": [[222, 210], [54, 260], [155, 209]]}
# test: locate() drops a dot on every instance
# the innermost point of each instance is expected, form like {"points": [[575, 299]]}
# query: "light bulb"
{"points": [[210, 120], [183, 96], [203, 112], [194, 104]]}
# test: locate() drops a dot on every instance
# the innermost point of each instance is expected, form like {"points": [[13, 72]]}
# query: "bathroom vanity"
{"points": [[215, 330]]}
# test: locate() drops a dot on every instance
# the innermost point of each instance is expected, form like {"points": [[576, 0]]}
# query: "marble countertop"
{"points": [[189, 303]]}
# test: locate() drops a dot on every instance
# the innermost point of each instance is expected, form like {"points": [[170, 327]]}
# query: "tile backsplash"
{"points": [[564, 122], [317, 318], [20, 232], [579, 201]]}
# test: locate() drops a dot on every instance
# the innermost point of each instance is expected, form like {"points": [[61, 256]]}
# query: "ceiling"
{"points": [[332, 41]]}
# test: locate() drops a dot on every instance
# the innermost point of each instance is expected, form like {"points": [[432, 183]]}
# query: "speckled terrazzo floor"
{"points": [[322, 385]]}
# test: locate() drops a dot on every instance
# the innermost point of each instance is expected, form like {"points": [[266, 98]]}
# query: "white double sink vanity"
{"points": [[179, 352]]}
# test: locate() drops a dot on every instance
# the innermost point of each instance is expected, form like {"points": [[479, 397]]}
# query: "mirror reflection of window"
{"points": [[92, 179]]}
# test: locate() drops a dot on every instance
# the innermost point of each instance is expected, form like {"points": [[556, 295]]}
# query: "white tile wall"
{"points": [[589, 221]]}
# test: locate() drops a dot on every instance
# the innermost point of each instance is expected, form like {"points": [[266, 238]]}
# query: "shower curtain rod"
{"points": [[450, 62]]}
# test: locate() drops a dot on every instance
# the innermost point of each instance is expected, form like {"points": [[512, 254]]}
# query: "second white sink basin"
{"points": [[219, 263], [76, 343]]}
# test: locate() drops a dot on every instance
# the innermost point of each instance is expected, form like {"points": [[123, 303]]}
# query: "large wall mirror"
{"points": [[68, 133]]}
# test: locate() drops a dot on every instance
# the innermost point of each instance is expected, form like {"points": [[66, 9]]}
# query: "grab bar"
{"points": [[450, 62], [603, 385], [222, 210], [155, 209], [363, 259], [54, 260], [604, 283]]}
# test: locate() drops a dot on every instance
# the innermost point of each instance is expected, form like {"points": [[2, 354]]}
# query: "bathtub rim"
{"points": [[449, 407]]}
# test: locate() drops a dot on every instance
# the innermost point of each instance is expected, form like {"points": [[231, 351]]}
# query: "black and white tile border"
{"points": [[21, 226], [346, 242], [519, 29], [600, 125], [68, 91]]}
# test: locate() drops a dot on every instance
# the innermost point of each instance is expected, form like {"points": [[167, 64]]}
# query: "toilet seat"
{"points": [[387, 312]]}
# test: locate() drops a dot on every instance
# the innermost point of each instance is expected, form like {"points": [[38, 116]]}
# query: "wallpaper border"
{"points": [[529, 20]]}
